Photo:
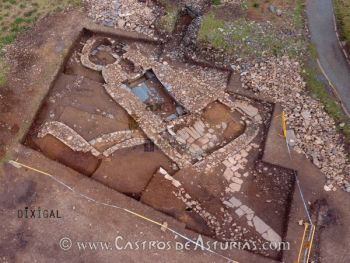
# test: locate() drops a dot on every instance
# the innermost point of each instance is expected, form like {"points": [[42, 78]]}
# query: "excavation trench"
{"points": [[85, 123]]}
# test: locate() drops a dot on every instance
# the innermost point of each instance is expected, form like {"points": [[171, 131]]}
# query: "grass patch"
{"points": [[211, 31], [298, 14], [3, 73], [216, 2], [247, 38], [168, 21], [30, 13], [313, 50], [318, 89], [9, 1], [17, 16], [7, 39], [342, 14]]}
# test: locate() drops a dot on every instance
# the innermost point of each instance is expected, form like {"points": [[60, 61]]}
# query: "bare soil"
{"points": [[48, 42], [130, 171], [84, 163], [79, 100], [217, 113], [228, 12], [267, 190]]}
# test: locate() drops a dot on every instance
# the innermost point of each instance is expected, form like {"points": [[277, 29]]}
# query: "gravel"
{"points": [[316, 134]]}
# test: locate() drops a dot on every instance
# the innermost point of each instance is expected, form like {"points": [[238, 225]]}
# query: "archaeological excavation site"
{"points": [[168, 131], [167, 134]]}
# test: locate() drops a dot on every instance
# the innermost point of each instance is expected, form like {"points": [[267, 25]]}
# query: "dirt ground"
{"points": [[79, 100], [217, 113], [268, 188], [331, 217], [256, 11], [27, 101], [29, 192]]}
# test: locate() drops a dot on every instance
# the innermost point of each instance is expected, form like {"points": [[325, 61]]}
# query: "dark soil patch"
{"points": [[216, 113], [130, 170], [228, 12], [51, 147]]}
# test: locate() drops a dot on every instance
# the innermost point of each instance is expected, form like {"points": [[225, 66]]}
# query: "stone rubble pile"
{"points": [[131, 15], [196, 6], [316, 134], [231, 1]]}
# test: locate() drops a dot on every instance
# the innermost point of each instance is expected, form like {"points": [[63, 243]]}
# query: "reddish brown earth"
{"points": [[81, 103], [33, 68], [216, 113], [130, 170], [271, 183], [53, 148]]}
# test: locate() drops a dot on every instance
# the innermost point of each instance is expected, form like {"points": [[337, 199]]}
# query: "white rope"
{"points": [[20, 165], [299, 186], [306, 252]]}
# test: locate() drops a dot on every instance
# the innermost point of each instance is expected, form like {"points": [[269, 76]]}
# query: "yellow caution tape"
{"points": [[306, 245], [164, 225], [284, 125]]}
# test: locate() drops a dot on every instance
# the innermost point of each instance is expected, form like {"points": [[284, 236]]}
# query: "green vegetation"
{"points": [[313, 51], [30, 13], [244, 4], [298, 14], [342, 14], [3, 73], [247, 38], [18, 15], [331, 105], [211, 30], [216, 2], [168, 21]]}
